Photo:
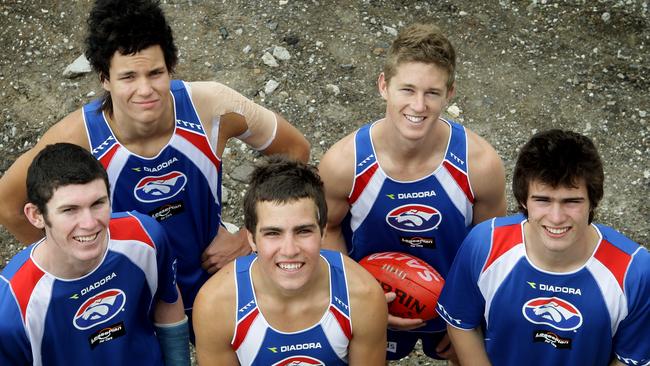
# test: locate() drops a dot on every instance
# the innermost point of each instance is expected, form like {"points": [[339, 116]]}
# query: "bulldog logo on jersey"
{"points": [[158, 188], [99, 309], [552, 311], [299, 361], [414, 218]]}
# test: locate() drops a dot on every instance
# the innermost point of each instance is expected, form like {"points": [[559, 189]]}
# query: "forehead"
{"points": [[78, 194], [298, 212], [413, 72], [151, 56], [537, 187]]}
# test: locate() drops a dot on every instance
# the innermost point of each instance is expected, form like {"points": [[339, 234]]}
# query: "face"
{"points": [[288, 240], [558, 218], [76, 232], [139, 85], [415, 97]]}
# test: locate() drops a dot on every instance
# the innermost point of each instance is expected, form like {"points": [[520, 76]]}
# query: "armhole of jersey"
{"points": [[234, 333]]}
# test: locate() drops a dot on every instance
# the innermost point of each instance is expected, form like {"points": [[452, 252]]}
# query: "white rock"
{"points": [[247, 49], [281, 53], [269, 60], [390, 30], [453, 110], [333, 89], [77, 67], [91, 94], [642, 114], [270, 86], [606, 17]]}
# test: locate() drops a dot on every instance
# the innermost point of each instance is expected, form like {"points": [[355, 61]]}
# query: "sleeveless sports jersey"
{"points": [[325, 343], [102, 318], [166, 186], [535, 317], [428, 217]]}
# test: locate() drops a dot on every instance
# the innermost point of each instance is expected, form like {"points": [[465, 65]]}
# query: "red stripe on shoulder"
{"points": [[200, 142], [616, 260], [242, 328], [461, 178], [361, 181], [129, 228], [343, 321], [108, 156], [23, 283], [503, 239]]}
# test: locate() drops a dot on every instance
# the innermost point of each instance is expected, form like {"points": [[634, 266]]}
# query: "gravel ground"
{"points": [[523, 66]]}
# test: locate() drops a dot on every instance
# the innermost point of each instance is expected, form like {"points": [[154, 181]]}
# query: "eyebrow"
{"points": [[578, 198], [295, 228]]}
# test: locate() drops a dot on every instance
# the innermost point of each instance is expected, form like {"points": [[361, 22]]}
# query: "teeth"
{"points": [[86, 238], [557, 231], [415, 119], [290, 266]]}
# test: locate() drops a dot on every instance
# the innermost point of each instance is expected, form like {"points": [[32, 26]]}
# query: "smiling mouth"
{"points": [[86, 238], [557, 231], [290, 266], [414, 119]]}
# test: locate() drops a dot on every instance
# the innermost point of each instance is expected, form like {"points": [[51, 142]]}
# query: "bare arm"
{"points": [[336, 169], [288, 141], [169, 313], [13, 192], [616, 362], [213, 319], [369, 316], [469, 346], [487, 177]]}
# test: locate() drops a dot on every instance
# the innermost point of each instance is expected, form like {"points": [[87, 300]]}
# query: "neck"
{"points": [[568, 260], [50, 260]]}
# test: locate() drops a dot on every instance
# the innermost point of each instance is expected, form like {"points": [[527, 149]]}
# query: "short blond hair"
{"points": [[421, 43]]}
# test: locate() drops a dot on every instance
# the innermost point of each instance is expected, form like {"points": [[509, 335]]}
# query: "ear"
{"points": [[451, 92], [251, 241], [382, 85], [106, 83], [34, 215]]}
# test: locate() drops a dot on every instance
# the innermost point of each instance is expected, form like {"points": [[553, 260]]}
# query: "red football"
{"points": [[416, 284]]}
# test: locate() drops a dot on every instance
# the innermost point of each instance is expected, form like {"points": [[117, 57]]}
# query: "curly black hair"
{"points": [[559, 158], [127, 26]]}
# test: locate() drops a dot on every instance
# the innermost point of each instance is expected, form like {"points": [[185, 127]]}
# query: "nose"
{"points": [[289, 247], [87, 219], [144, 87], [556, 213], [418, 104]]}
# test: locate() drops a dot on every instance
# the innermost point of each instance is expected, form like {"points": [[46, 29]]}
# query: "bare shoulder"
{"points": [[218, 293], [336, 167], [481, 152], [70, 129], [361, 284]]}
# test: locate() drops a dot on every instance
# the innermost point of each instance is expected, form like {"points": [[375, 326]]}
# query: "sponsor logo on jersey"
{"points": [[551, 338], [300, 361], [418, 242], [106, 334], [414, 218], [157, 168], [551, 288], [99, 309], [411, 195], [158, 188], [391, 347], [96, 285], [166, 211], [552, 311]]}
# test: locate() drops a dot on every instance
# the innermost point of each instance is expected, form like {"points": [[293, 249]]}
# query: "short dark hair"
{"points": [[280, 179], [58, 165], [421, 43], [559, 158], [127, 26]]}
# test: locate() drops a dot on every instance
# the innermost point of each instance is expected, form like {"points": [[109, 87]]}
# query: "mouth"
{"points": [[290, 266], [414, 119], [147, 103], [557, 231], [86, 238]]}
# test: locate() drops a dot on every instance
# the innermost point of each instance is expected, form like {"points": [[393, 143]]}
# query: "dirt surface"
{"points": [[523, 66]]}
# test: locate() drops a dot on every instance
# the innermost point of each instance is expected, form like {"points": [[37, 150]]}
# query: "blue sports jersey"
{"points": [[427, 218], [102, 318], [534, 317], [180, 187], [325, 343]]}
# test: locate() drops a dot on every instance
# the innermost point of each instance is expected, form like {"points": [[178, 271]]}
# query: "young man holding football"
{"points": [[89, 292], [548, 286], [412, 181], [291, 303]]}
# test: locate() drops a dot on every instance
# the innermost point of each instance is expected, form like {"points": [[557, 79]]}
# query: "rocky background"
{"points": [[523, 66]]}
